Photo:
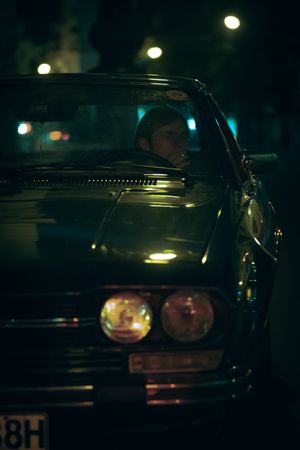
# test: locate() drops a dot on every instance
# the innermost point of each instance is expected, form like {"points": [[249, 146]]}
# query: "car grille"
{"points": [[53, 336], [45, 306], [51, 366], [51, 319]]}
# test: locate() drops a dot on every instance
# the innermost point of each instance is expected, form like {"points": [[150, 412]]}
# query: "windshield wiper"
{"points": [[66, 166], [168, 170]]}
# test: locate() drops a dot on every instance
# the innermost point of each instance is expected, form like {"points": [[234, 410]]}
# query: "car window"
{"points": [[82, 124]]}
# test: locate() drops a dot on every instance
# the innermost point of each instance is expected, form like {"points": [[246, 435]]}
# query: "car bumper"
{"points": [[147, 390], [161, 404]]}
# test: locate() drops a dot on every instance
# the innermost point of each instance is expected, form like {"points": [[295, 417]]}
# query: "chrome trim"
{"points": [[83, 388], [173, 386], [230, 386], [46, 405], [65, 294], [55, 322], [274, 258], [38, 397], [166, 402], [186, 390], [172, 402]]}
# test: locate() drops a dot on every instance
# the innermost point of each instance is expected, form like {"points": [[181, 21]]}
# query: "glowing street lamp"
{"points": [[154, 52], [232, 22], [44, 69]]}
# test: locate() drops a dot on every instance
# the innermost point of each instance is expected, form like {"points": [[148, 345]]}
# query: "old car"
{"points": [[135, 282]]}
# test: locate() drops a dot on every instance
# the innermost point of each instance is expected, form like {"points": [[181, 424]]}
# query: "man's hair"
{"points": [[155, 119]]}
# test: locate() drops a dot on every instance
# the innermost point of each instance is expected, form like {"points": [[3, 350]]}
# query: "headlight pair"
{"points": [[187, 315]]}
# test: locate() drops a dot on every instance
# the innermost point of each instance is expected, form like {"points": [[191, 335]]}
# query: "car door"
{"points": [[259, 213]]}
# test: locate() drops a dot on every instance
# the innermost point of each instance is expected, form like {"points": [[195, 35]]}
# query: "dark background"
{"points": [[254, 73]]}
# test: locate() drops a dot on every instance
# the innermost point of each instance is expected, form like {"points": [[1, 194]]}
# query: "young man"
{"points": [[164, 131]]}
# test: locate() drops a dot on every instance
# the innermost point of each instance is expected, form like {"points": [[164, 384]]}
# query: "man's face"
{"points": [[171, 142]]}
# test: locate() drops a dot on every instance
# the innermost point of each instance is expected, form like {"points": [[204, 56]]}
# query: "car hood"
{"points": [[102, 229]]}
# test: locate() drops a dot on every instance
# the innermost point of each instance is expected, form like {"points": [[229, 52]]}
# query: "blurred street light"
{"points": [[154, 52], [232, 22], [24, 128], [44, 69]]}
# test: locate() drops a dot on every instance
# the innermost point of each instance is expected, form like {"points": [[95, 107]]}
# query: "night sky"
{"points": [[263, 52], [254, 71]]}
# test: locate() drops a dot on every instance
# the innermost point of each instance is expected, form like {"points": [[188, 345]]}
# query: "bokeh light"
{"points": [[24, 128], [44, 68], [232, 22], [154, 52]]}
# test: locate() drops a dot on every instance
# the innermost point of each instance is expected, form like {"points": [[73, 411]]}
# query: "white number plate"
{"points": [[24, 431]]}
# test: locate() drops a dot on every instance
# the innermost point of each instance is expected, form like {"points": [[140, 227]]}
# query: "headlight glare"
{"points": [[126, 317]]}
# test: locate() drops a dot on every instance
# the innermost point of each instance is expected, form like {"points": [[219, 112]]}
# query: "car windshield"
{"points": [[61, 125]]}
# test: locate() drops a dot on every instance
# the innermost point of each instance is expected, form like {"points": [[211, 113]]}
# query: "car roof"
{"points": [[94, 77]]}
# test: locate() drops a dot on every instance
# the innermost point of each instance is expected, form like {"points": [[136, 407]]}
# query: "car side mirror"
{"points": [[262, 163]]}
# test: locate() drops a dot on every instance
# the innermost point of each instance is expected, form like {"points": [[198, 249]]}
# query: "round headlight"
{"points": [[187, 315], [126, 317]]}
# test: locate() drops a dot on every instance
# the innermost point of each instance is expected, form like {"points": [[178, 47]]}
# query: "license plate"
{"points": [[168, 362], [24, 431]]}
